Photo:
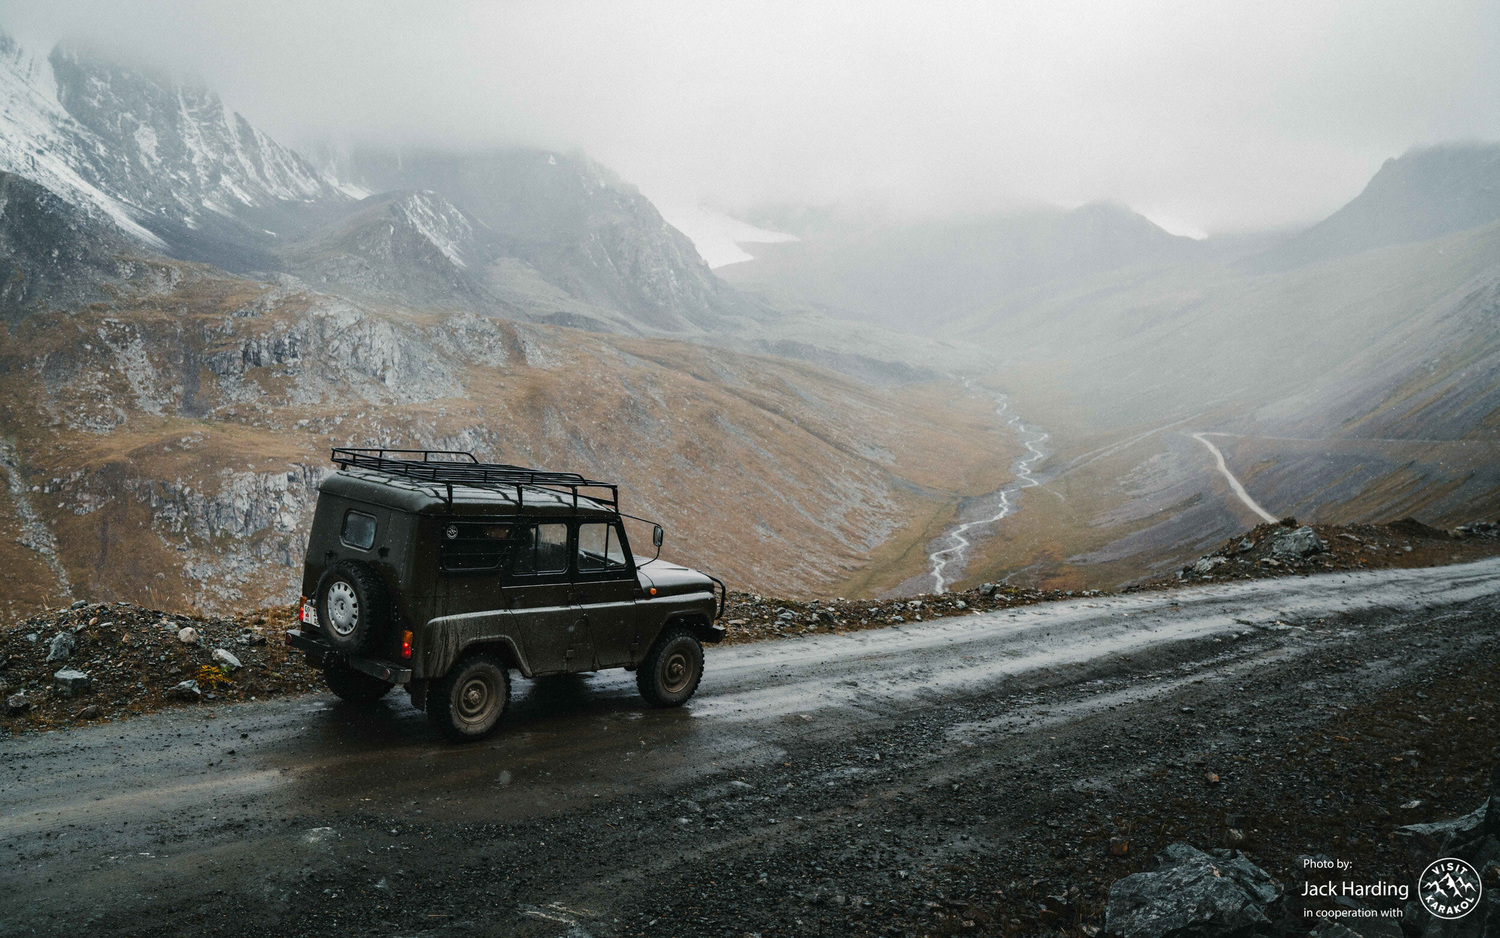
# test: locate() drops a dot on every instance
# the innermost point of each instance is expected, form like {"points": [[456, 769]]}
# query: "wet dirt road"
{"points": [[879, 782]]}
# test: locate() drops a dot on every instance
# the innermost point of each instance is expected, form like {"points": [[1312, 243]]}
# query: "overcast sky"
{"points": [[1204, 116]]}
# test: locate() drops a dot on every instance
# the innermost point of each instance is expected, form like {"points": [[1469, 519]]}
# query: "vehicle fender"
{"points": [[447, 638], [696, 609]]}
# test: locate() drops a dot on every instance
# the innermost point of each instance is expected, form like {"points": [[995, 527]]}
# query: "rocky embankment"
{"points": [[750, 617], [106, 661], [1288, 548], [95, 662]]}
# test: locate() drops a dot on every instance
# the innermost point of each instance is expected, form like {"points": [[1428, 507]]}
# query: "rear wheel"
{"points": [[353, 685], [672, 669], [353, 608], [467, 702]]}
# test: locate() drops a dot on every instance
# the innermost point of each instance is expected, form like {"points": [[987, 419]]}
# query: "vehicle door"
{"points": [[604, 588], [538, 589]]}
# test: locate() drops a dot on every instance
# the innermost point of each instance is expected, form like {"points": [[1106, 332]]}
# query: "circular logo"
{"points": [[1449, 888]]}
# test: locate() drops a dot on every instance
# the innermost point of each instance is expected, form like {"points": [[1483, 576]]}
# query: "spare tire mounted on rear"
{"points": [[353, 607]]}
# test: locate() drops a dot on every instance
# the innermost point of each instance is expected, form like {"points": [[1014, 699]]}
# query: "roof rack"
{"points": [[448, 467]]}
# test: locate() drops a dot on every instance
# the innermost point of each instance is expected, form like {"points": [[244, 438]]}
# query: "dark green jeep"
{"points": [[432, 570]]}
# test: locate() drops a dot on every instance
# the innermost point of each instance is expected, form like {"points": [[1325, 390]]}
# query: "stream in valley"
{"points": [[948, 559]]}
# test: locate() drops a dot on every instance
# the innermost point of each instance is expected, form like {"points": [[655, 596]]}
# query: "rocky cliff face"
{"points": [[167, 163], [409, 247], [567, 222], [167, 447], [518, 233], [53, 254]]}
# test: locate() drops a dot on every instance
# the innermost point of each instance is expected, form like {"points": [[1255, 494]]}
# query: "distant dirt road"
{"points": [[1233, 482]]}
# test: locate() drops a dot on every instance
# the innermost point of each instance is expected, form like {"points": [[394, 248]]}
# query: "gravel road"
{"points": [[964, 775]]}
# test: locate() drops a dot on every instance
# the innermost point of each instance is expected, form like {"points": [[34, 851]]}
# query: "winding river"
{"points": [[954, 546]]}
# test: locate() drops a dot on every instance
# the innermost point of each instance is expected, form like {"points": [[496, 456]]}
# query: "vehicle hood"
{"points": [[669, 578]]}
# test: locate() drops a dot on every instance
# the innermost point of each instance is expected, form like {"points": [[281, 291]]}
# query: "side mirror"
{"points": [[657, 536]]}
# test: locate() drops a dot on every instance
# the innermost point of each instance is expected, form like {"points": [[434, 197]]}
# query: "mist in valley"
{"points": [[1057, 446], [1110, 227]]}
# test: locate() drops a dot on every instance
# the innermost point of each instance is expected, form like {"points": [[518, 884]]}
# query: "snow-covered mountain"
{"points": [[53, 254], [412, 247], [521, 233], [572, 242], [166, 162]]}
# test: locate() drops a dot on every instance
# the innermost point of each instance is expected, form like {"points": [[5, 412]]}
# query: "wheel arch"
{"points": [[444, 643], [699, 624]]}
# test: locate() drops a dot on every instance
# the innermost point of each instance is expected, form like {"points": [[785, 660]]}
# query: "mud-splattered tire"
{"points": [[467, 702], [354, 609], [354, 686], [670, 673]]}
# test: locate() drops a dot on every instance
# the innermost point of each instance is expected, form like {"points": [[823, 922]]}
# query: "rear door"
{"points": [[538, 589], [604, 587]]}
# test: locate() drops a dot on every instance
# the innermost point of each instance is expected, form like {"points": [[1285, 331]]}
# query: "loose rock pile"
{"points": [[1287, 548], [751, 617], [1474, 838], [102, 661]]}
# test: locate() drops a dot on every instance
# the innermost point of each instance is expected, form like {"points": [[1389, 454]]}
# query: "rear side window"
{"points": [[469, 546], [359, 530], [540, 548], [599, 548]]}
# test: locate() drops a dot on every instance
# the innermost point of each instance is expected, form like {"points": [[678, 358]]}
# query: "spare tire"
{"points": [[354, 609]]}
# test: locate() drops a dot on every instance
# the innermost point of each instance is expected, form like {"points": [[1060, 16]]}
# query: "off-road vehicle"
{"points": [[432, 570]]}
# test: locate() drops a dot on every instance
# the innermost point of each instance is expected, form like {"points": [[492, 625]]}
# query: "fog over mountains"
{"points": [[193, 312], [552, 236]]}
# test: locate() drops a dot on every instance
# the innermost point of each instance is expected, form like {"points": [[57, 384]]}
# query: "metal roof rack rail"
{"points": [[447, 467]]}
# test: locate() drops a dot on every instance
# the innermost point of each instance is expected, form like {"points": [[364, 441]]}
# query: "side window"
{"points": [[359, 530], [469, 546], [599, 548], [540, 548]]}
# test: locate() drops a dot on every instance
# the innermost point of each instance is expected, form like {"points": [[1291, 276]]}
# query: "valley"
{"points": [[1096, 460], [172, 444], [177, 359]]}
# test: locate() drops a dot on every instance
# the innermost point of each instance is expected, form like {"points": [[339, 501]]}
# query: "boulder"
{"points": [[187, 690], [188, 635], [1207, 564], [227, 659], [1302, 542], [16, 704], [70, 683], [1206, 895], [62, 646], [1424, 842]]}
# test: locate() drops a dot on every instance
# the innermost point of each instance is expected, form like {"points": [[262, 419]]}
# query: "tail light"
{"points": [[305, 613], [406, 644]]}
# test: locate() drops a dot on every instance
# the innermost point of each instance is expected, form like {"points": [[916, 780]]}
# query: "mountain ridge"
{"points": [[1425, 193]]}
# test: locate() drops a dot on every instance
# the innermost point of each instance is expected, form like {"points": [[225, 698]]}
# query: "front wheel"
{"points": [[672, 669], [466, 703], [351, 685]]}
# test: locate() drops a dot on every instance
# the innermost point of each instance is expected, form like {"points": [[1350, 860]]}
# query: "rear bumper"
{"points": [[318, 650]]}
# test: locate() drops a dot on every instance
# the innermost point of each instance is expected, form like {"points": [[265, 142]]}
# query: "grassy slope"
{"points": [[1361, 389], [777, 475]]}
